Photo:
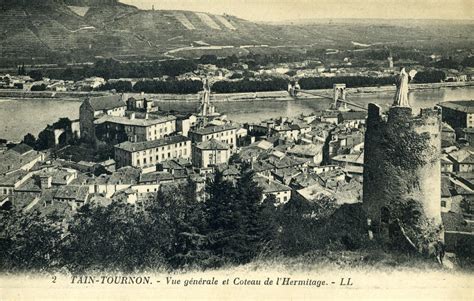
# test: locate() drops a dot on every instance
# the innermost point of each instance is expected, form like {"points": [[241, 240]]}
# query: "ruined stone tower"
{"points": [[402, 174]]}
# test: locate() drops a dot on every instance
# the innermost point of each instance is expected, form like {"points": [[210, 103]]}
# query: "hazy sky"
{"points": [[276, 10]]}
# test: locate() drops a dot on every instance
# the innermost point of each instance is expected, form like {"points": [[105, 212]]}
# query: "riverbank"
{"points": [[20, 94], [229, 97]]}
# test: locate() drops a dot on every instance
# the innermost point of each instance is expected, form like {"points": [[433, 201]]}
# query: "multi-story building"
{"points": [[117, 129], [352, 119], [287, 131], [281, 192], [11, 181], [148, 153], [140, 105], [458, 114], [210, 153], [19, 157], [73, 195], [225, 133], [93, 108]]}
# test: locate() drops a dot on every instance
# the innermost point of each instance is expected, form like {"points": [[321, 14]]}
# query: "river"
{"points": [[21, 116]]}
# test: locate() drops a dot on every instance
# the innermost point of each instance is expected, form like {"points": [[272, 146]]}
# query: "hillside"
{"points": [[54, 31]]}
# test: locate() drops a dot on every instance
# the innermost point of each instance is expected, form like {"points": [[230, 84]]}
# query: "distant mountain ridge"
{"points": [[52, 31]]}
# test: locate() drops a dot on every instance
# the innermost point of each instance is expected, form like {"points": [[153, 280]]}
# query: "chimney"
{"points": [[132, 116], [147, 115]]}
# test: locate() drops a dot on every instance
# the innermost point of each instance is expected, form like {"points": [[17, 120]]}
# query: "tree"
{"points": [[116, 237], [430, 76], [240, 226], [447, 64], [43, 141], [208, 59], [120, 86], [177, 67], [179, 217], [62, 123], [36, 75], [248, 197], [269, 217], [41, 87], [235, 158], [169, 86], [68, 74], [223, 219], [29, 139], [303, 224], [468, 61], [28, 242], [21, 70]]}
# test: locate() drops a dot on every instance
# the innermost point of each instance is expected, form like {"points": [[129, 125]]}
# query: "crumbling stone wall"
{"points": [[402, 174]]}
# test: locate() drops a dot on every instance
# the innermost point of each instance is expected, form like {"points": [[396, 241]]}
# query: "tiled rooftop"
{"points": [[466, 106], [140, 146], [270, 185], [106, 102], [215, 129], [134, 121], [74, 192], [213, 144]]}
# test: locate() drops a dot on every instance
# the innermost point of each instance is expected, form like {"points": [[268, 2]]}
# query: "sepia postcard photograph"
{"points": [[236, 150]]}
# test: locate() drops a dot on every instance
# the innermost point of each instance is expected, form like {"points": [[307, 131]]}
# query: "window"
{"points": [[138, 161], [443, 204]]}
